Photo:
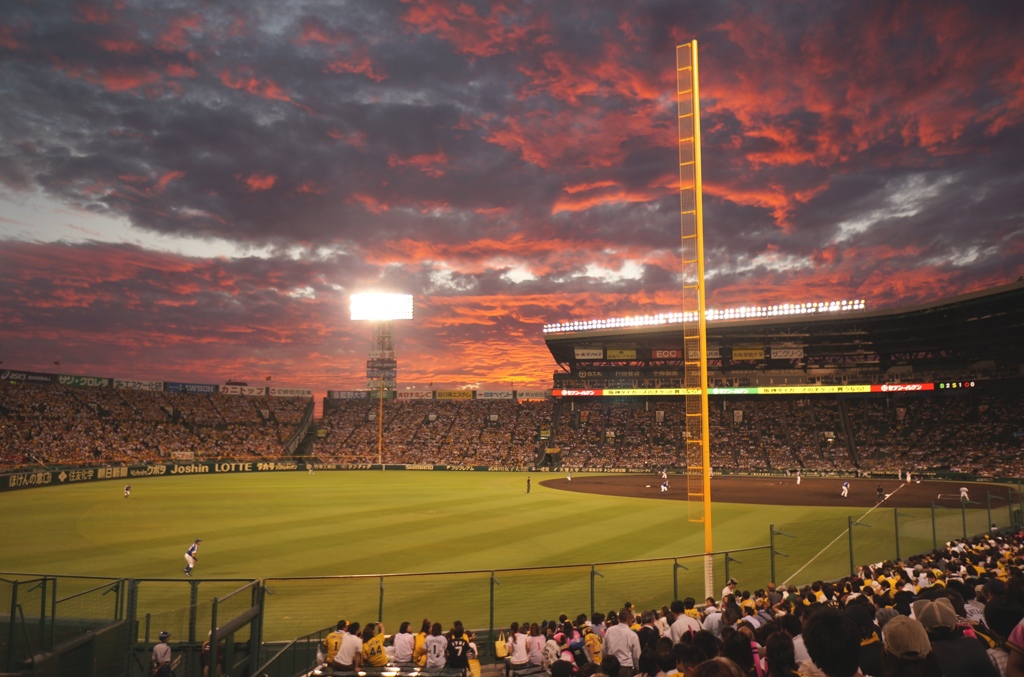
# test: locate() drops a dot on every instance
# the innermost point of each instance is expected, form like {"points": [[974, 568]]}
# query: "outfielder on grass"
{"points": [[191, 555]]}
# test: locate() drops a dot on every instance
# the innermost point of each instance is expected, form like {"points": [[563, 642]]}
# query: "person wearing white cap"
{"points": [[730, 588]]}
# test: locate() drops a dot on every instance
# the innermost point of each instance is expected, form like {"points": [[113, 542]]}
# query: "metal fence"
{"points": [[494, 598]]}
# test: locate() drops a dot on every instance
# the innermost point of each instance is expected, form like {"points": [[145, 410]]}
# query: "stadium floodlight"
{"points": [[382, 310], [710, 314], [378, 306]]}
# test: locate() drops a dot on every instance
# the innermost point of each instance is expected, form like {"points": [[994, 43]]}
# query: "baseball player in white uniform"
{"points": [[191, 555]]}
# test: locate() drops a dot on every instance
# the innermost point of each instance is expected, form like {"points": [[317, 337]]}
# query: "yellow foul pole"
{"points": [[695, 374]]}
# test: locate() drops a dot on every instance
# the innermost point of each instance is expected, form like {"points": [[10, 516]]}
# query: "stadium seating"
{"points": [[969, 432], [54, 424]]}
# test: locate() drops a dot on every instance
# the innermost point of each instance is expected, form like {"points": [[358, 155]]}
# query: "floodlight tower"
{"points": [[381, 366]]}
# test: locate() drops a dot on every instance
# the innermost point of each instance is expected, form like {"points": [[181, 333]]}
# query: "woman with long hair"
{"points": [[779, 657], [518, 653], [404, 643], [437, 648], [419, 649], [736, 647], [535, 645]]}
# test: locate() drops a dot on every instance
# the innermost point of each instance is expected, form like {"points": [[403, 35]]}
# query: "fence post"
{"points": [[380, 603], [963, 516], [53, 615], [729, 558], [9, 667], [771, 545], [1009, 507], [593, 600], [935, 538], [131, 622], [988, 501], [193, 609], [256, 629], [850, 524], [212, 637], [490, 636], [896, 517], [676, 566], [44, 641], [896, 521], [849, 531]]}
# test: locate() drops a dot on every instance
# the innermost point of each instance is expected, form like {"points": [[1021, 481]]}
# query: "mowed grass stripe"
{"points": [[276, 525]]}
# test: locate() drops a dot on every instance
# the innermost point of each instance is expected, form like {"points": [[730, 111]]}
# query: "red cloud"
{"points": [[119, 81], [585, 196], [927, 102], [502, 30], [310, 188], [120, 45], [583, 139], [583, 187], [246, 81], [429, 164], [91, 13], [114, 78], [370, 203], [7, 39], [356, 63], [260, 182], [175, 38], [179, 71], [314, 30], [162, 182], [573, 78], [355, 139]]}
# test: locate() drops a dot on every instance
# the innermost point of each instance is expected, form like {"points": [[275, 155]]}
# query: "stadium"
{"points": [[430, 504]]}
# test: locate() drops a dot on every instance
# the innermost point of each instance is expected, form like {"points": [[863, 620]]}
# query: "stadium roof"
{"points": [[951, 333]]}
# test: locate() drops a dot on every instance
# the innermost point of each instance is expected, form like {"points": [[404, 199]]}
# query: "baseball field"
{"points": [[327, 543]]}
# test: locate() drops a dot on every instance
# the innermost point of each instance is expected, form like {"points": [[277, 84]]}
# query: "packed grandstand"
{"points": [[935, 388], [972, 431]]}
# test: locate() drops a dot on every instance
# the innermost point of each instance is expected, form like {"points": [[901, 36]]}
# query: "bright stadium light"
{"points": [[381, 366], [711, 315], [377, 306]]}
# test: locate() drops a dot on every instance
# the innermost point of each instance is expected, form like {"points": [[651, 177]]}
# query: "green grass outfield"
{"points": [[292, 524]]}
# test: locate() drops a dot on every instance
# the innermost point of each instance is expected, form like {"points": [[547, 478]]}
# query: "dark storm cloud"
{"points": [[510, 163]]}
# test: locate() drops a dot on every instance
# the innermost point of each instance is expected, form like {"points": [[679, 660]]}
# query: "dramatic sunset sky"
{"points": [[190, 191]]}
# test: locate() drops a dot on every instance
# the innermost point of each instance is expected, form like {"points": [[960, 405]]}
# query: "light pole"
{"points": [[381, 366]]}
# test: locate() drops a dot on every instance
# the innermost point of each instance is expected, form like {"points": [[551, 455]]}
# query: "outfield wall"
{"points": [[67, 475]]}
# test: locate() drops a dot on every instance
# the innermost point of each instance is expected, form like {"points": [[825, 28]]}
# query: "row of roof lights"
{"points": [[711, 315]]}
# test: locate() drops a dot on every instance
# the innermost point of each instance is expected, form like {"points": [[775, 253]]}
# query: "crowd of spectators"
{"points": [[953, 612], [965, 432], [471, 432], [43, 424]]}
